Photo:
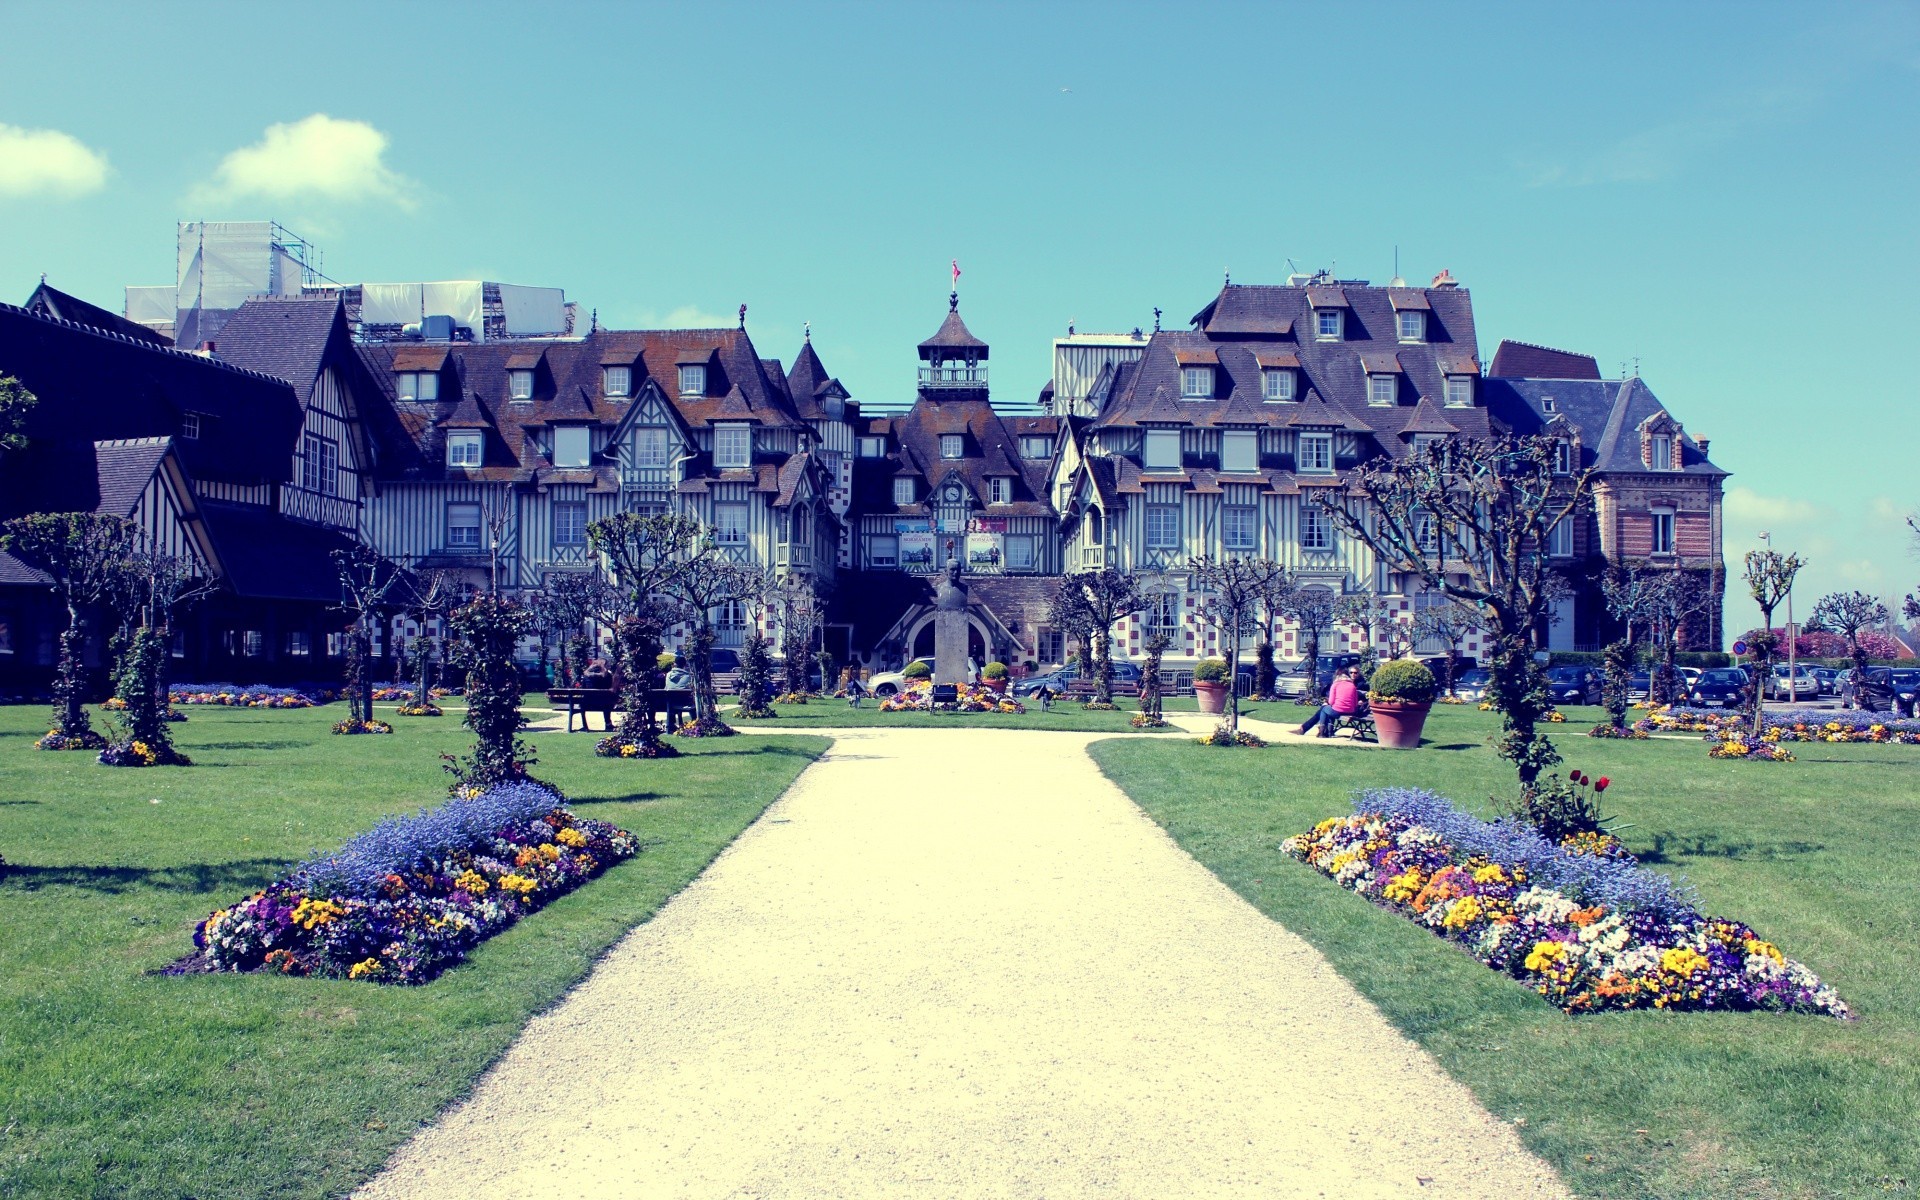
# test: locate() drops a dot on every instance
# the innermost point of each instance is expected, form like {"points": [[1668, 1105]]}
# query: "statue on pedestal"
{"points": [[950, 628]]}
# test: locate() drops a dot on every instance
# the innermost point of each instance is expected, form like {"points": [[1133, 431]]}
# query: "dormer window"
{"points": [[571, 444], [1563, 457], [1412, 326], [463, 448], [417, 385], [693, 379], [190, 425], [1549, 405], [1240, 451], [1196, 383], [873, 447], [1422, 442], [1660, 452], [903, 489], [616, 381], [1459, 391], [732, 445], [1162, 450], [952, 445], [1316, 454], [520, 385], [1035, 446], [650, 446], [999, 490], [1382, 389], [1329, 324], [1277, 384]]}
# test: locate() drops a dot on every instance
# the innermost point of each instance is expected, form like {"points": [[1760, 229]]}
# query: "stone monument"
{"points": [[950, 628]]}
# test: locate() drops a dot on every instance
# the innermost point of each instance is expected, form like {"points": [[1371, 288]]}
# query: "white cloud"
{"points": [[49, 162], [316, 157], [1746, 505], [1667, 149]]}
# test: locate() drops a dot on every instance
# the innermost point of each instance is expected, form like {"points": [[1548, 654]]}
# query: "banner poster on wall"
{"points": [[986, 543], [916, 544]]}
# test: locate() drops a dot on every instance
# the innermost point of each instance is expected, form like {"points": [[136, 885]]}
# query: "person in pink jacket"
{"points": [[1343, 700]]}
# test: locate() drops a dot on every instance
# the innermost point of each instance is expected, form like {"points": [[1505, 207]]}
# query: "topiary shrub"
{"points": [[994, 670], [1402, 681], [1210, 670], [917, 670], [664, 661]]}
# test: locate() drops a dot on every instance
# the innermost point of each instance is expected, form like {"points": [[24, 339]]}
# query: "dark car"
{"points": [[1722, 687], [1888, 690], [725, 660], [1639, 686], [1126, 678], [1573, 685], [1472, 685]]}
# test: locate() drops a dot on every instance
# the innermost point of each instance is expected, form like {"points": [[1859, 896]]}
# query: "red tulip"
{"points": [[1576, 776], [1600, 784]]}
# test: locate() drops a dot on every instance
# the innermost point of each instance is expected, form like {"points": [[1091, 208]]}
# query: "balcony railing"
{"points": [[647, 479], [961, 376], [791, 554], [1093, 558]]}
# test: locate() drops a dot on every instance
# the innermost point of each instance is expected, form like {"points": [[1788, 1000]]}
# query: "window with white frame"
{"points": [[1662, 531], [520, 384], [730, 622], [1423, 442], [1426, 533], [1050, 646], [1563, 457], [1316, 454], [299, 643], [190, 425], [1328, 323], [1459, 391], [1383, 388], [999, 490], [417, 385], [1276, 383], [1560, 539], [1412, 326], [730, 524], [1036, 446], [1239, 527], [902, 489], [952, 445], [732, 446], [463, 526], [1162, 614], [1196, 383], [1163, 526], [1660, 453], [571, 445], [320, 466], [1162, 450], [1240, 450], [570, 523], [616, 381], [650, 446], [883, 551], [463, 448], [1021, 552], [253, 643], [873, 447], [1316, 528], [693, 379]]}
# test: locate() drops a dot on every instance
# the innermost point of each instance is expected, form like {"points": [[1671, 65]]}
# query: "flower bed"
{"points": [[1607, 729], [1582, 922], [351, 726], [411, 896], [137, 753], [917, 696], [1737, 745], [257, 695], [411, 709], [1223, 736], [1791, 725], [55, 740]]}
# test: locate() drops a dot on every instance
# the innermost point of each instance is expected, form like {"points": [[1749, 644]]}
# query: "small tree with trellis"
{"points": [[155, 588], [82, 555], [1233, 591], [754, 685], [368, 583], [1311, 608], [1471, 517], [434, 596], [705, 584], [1682, 598], [645, 552], [1631, 591], [798, 608], [1388, 637], [1451, 621], [485, 632], [1272, 611], [1850, 614], [1770, 576], [1099, 600]]}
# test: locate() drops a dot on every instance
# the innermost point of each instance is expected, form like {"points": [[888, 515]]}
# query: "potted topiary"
{"points": [[1209, 685], [993, 677], [916, 671], [1400, 695]]}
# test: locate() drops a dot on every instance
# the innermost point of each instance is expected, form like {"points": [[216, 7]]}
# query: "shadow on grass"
{"points": [[1669, 846], [789, 751], [629, 798], [8, 803], [193, 877], [275, 745], [1451, 746]]}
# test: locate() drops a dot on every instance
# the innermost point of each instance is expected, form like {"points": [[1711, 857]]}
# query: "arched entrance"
{"points": [[920, 640]]}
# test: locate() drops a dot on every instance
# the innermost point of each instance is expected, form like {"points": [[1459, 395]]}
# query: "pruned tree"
{"points": [[1770, 576], [1629, 590], [83, 556], [754, 686], [1451, 621], [1850, 615], [1232, 591], [1154, 642], [1100, 600], [798, 608], [1682, 598], [1470, 517], [646, 553], [1387, 635], [1311, 608], [705, 584], [154, 589], [432, 596], [483, 634], [1272, 612], [369, 587], [561, 606]]}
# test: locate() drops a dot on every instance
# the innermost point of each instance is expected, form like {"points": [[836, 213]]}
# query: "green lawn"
{"points": [[1821, 856], [116, 1082], [835, 714]]}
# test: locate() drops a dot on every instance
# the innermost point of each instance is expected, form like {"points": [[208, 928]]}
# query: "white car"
{"points": [[1802, 683], [886, 683]]}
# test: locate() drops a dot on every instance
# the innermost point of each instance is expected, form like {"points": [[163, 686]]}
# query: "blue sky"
{"points": [[1723, 192]]}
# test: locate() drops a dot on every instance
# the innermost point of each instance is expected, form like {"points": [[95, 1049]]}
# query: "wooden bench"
{"points": [[671, 704], [583, 702], [1362, 725]]}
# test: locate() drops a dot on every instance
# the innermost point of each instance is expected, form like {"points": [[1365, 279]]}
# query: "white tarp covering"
{"points": [[151, 306], [406, 303], [221, 263], [533, 310]]}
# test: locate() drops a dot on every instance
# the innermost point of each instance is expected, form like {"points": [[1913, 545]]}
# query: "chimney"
{"points": [[1445, 279], [1702, 443]]}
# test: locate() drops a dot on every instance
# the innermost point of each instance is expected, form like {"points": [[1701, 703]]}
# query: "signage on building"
{"points": [[986, 542], [916, 543]]}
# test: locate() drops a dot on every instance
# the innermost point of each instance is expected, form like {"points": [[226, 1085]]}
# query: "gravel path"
{"points": [[897, 985]]}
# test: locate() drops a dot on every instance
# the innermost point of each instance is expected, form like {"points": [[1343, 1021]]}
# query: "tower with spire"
{"points": [[953, 362]]}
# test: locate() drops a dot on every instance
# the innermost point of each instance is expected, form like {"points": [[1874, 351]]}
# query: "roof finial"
{"points": [[596, 319], [1228, 272], [1156, 318], [743, 316], [806, 332], [1069, 326]]}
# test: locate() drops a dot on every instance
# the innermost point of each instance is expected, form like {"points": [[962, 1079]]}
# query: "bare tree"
{"points": [[1630, 590], [156, 587], [561, 606], [82, 555], [368, 584], [1100, 600], [1770, 577], [1849, 614], [1453, 622], [798, 609], [1470, 518], [433, 595], [1272, 611], [705, 584], [1233, 590], [1682, 598], [1311, 608], [1389, 636], [646, 553]]}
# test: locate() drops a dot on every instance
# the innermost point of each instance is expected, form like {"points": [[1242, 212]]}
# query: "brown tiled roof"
{"points": [[1326, 296], [1427, 418], [1524, 360], [988, 448], [1408, 299], [953, 334]]}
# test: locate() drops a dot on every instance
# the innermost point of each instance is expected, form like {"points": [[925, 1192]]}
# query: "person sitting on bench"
{"points": [[1343, 700], [854, 691], [597, 676]]}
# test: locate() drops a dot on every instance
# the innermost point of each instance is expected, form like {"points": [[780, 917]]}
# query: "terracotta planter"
{"points": [[1398, 724], [1212, 697], [997, 686]]}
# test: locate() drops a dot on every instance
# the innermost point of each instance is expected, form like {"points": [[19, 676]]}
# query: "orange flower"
{"points": [[1584, 917]]}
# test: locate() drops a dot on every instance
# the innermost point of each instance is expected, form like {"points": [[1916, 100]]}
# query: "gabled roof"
{"points": [[809, 386], [1606, 413], [293, 338], [953, 334], [52, 302], [1524, 360]]}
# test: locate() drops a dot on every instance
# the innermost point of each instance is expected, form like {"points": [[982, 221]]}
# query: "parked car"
{"points": [[1884, 690], [886, 683], [1126, 679], [1828, 678], [1792, 683], [1573, 685], [1290, 678], [1688, 676], [1721, 687], [1639, 686], [1471, 686]]}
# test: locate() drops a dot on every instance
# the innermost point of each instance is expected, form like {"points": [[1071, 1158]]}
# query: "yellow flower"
{"points": [[571, 837], [1404, 886], [1545, 954], [1492, 873], [473, 882], [1682, 961], [364, 968], [1464, 913], [518, 884], [311, 914], [1756, 946]]}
